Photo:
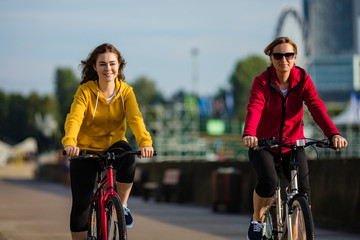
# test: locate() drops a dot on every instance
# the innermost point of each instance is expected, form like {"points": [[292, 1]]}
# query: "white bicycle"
{"points": [[290, 218]]}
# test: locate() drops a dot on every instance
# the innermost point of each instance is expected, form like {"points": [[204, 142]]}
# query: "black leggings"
{"points": [[83, 177], [263, 162]]}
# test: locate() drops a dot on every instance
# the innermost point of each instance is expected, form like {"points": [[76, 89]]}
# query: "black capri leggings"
{"points": [[264, 164], [83, 177]]}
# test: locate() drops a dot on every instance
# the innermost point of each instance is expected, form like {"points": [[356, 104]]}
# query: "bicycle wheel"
{"points": [[116, 225], [302, 224], [270, 224], [93, 225]]}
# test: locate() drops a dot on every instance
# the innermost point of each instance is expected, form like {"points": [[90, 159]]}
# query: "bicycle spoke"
{"points": [[93, 228], [300, 227], [112, 223], [297, 221]]}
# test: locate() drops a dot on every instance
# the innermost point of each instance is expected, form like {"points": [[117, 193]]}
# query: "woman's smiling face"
{"points": [[107, 66]]}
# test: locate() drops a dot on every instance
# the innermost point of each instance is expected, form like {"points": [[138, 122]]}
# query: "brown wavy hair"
{"points": [[88, 72], [269, 49]]}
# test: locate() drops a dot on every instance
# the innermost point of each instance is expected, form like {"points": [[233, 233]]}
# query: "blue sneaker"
{"points": [[128, 218], [256, 230]]}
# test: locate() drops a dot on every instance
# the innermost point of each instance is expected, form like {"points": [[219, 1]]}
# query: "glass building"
{"points": [[333, 40]]}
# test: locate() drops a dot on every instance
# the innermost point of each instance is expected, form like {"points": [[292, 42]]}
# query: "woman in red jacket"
{"points": [[275, 109]]}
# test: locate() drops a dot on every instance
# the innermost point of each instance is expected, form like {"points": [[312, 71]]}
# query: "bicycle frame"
{"points": [[292, 194], [102, 195], [105, 195], [296, 206], [277, 201]]}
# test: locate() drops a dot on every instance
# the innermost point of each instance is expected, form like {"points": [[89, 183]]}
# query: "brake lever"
{"points": [[266, 143], [82, 154], [326, 143]]}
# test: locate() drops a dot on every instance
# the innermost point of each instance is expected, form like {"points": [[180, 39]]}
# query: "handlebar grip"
{"points": [[331, 144], [82, 152], [325, 143], [154, 154]]}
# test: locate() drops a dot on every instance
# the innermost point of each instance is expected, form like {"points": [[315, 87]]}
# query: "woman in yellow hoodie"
{"points": [[97, 121]]}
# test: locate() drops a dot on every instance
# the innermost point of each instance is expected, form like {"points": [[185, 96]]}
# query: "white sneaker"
{"points": [[128, 218]]}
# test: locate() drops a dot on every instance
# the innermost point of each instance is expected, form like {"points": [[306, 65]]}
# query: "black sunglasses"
{"points": [[279, 56]]}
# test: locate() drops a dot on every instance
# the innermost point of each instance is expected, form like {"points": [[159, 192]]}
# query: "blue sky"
{"points": [[155, 38]]}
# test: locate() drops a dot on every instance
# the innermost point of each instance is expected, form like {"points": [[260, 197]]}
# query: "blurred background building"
{"points": [[332, 35]]}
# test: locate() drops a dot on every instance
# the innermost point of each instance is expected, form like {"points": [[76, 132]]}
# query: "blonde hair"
{"points": [[269, 49]]}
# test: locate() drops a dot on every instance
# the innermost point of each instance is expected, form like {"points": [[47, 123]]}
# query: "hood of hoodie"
{"points": [[296, 74], [93, 86]]}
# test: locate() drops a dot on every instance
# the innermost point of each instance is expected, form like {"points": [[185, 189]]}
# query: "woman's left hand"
{"points": [[339, 142], [146, 152]]}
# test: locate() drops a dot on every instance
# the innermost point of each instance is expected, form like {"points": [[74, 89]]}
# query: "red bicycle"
{"points": [[106, 216]]}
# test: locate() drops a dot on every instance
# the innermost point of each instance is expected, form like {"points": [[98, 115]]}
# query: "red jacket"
{"points": [[271, 114]]}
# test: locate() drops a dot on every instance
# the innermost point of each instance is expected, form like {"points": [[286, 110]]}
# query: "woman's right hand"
{"points": [[72, 151], [250, 141]]}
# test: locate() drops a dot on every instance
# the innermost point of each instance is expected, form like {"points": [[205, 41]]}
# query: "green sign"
{"points": [[215, 127]]}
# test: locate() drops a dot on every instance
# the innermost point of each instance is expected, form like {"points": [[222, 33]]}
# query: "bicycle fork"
{"points": [[281, 225], [279, 211], [105, 194], [102, 199], [101, 209]]}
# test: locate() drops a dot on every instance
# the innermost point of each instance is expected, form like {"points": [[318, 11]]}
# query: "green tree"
{"points": [[66, 84], [16, 119], [241, 81], [3, 113], [146, 92]]}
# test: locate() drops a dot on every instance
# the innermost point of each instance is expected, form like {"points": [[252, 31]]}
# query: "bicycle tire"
{"points": [[116, 225], [270, 224], [301, 219], [93, 225]]}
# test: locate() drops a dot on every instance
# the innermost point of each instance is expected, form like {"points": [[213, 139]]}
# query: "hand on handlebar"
{"points": [[146, 152], [72, 151], [339, 142], [250, 141]]}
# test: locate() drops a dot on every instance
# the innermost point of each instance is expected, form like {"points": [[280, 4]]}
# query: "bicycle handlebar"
{"points": [[109, 154], [272, 143]]}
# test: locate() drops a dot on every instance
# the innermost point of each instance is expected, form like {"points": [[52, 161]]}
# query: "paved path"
{"points": [[40, 210]]}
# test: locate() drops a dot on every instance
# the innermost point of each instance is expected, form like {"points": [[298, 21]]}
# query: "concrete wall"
{"points": [[336, 192], [335, 187]]}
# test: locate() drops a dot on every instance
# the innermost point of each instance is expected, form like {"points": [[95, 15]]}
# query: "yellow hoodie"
{"points": [[94, 124]]}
